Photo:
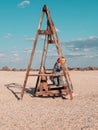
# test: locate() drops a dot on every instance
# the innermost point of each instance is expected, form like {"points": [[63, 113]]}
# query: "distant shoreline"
{"points": [[5, 68]]}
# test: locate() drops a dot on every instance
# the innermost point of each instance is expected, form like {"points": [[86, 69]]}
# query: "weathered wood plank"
{"points": [[51, 41], [45, 74], [44, 32], [50, 92], [32, 55]]}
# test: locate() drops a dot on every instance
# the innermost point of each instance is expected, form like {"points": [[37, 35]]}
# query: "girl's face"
{"points": [[63, 61]]}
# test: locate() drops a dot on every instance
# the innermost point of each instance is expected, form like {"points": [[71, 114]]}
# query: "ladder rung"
{"points": [[50, 92], [55, 87], [44, 32], [46, 75], [51, 41]]}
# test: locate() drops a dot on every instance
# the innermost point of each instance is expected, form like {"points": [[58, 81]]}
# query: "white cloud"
{"points": [[15, 54], [38, 51], [8, 36], [28, 38], [76, 49], [86, 49], [57, 30], [52, 55], [93, 37], [27, 50], [73, 40], [43, 37], [1, 54], [75, 54], [17, 59], [81, 39], [24, 3], [89, 56]]}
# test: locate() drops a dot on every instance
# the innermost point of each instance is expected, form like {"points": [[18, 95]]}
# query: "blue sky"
{"points": [[76, 22]]}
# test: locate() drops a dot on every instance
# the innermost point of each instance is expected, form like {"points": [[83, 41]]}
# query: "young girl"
{"points": [[57, 80]]}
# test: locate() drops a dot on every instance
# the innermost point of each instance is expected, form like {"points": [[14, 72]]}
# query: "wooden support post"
{"points": [[31, 57], [42, 62], [67, 81]]}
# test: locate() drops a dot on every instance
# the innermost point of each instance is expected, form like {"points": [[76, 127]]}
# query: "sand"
{"points": [[37, 113]]}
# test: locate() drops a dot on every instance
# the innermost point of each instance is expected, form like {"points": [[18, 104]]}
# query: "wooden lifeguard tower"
{"points": [[42, 87]]}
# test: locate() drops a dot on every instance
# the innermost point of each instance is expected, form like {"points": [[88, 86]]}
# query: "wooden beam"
{"points": [[32, 55], [45, 9], [51, 92], [67, 80], [46, 75], [51, 41], [44, 32]]}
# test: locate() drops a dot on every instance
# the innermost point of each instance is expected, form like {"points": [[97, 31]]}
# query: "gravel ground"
{"points": [[48, 113]]}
